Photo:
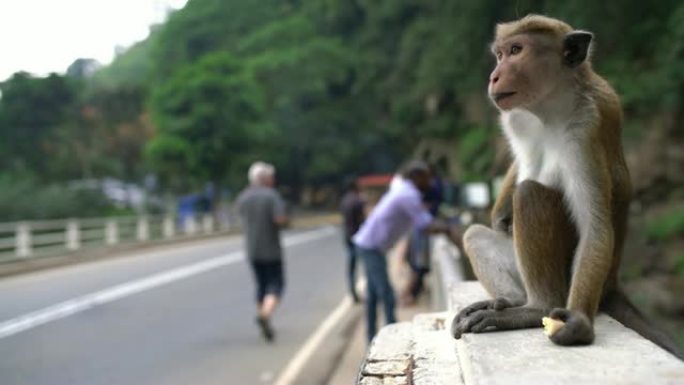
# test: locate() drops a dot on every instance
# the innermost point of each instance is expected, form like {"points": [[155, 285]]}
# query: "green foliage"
{"points": [[131, 68], [31, 110], [171, 157], [679, 265], [208, 114], [208, 26], [23, 198], [322, 88], [305, 77], [667, 226], [59, 128], [475, 152]]}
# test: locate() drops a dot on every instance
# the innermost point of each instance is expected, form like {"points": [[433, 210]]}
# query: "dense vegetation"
{"points": [[321, 88]]}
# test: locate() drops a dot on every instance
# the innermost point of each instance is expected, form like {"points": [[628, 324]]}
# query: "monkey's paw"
{"points": [[576, 330], [466, 318], [482, 321]]}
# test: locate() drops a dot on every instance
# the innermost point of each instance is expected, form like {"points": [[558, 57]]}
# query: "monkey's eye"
{"points": [[515, 49], [499, 55]]}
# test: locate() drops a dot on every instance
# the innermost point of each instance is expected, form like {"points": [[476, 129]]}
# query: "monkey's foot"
{"points": [[492, 304], [577, 329], [480, 321]]}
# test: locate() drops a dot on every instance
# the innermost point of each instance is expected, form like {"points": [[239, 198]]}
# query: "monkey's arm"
{"points": [[502, 213], [591, 207]]}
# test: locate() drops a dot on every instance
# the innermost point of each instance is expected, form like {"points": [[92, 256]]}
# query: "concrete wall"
{"points": [[423, 352]]}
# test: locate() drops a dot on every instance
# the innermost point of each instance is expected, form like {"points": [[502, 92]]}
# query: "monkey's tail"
{"points": [[618, 306]]}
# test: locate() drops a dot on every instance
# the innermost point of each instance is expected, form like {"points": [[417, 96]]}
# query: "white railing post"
{"points": [[73, 236], [208, 224], [22, 240], [143, 229], [169, 229], [190, 226], [111, 232]]}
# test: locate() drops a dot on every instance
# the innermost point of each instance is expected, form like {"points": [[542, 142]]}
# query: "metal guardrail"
{"points": [[32, 239]]}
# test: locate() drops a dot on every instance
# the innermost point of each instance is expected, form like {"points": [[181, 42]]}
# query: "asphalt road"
{"points": [[186, 318]]}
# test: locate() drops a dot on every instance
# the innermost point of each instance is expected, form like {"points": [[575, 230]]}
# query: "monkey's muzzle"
{"points": [[501, 95]]}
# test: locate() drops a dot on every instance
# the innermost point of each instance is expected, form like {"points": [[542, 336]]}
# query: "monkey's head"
{"points": [[535, 56]]}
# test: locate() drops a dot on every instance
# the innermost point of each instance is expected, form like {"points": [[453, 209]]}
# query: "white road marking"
{"points": [[88, 301], [294, 367]]}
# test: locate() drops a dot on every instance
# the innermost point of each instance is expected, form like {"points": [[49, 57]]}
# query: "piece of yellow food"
{"points": [[551, 325]]}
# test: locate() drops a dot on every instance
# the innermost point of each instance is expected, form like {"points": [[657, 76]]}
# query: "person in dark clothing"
{"points": [[352, 208], [434, 196], [262, 211], [418, 250]]}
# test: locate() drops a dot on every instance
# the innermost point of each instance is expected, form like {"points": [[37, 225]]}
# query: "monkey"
{"points": [[560, 219]]}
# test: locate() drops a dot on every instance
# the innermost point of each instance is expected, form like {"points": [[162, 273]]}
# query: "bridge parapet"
{"points": [[422, 352]]}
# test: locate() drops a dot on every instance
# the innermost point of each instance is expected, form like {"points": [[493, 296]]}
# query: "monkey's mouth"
{"points": [[502, 95]]}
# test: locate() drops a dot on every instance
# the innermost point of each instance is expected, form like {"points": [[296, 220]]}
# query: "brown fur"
{"points": [[602, 253], [560, 264], [532, 24]]}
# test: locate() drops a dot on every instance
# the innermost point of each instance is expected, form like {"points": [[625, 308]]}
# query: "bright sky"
{"points": [[42, 36]]}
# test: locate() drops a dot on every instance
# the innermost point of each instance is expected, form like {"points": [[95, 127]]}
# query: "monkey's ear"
{"points": [[576, 47]]}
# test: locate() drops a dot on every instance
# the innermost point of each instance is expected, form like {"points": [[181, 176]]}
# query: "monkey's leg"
{"points": [[544, 241], [492, 256]]}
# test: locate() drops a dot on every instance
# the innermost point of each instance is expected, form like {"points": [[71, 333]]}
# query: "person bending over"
{"points": [[399, 211]]}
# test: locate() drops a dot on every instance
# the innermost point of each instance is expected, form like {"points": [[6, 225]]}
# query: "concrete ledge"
{"points": [[618, 356], [419, 352], [423, 352]]}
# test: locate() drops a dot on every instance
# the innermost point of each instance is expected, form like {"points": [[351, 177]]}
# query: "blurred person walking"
{"points": [[352, 207], [263, 214], [399, 210]]}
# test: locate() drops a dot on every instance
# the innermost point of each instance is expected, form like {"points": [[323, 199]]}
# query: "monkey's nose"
{"points": [[494, 76]]}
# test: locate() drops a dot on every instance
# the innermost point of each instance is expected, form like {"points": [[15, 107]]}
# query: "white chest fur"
{"points": [[553, 156], [544, 153]]}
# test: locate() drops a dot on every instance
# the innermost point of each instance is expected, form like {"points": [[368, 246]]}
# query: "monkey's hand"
{"points": [[459, 322], [490, 320], [577, 328]]}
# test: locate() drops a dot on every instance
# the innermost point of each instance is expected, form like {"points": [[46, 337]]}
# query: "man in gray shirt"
{"points": [[263, 215]]}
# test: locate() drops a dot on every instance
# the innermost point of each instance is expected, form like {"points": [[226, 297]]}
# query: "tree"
{"points": [[208, 26], [31, 110], [210, 117], [306, 79]]}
